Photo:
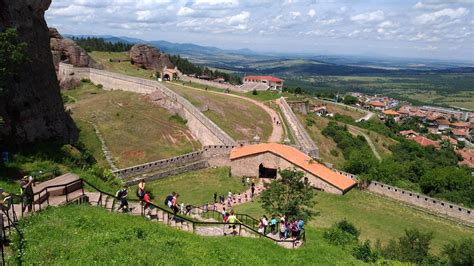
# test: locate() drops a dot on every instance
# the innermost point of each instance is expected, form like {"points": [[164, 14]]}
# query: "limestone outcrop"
{"points": [[66, 50], [149, 57], [31, 106]]}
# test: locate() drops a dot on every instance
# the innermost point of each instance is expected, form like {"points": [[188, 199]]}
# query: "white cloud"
{"points": [[311, 13], [374, 16], [387, 24], [185, 11], [432, 17]]}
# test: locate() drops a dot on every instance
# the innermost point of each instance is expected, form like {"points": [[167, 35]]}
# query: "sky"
{"points": [[389, 28]]}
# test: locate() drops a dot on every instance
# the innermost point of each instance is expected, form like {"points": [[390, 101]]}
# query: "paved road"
{"points": [[357, 131], [277, 131]]}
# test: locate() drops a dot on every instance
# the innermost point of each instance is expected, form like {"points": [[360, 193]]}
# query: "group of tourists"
{"points": [[234, 198], [276, 121], [290, 228]]}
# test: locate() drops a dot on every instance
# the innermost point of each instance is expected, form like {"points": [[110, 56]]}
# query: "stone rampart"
{"points": [[210, 83], [171, 172], [302, 138], [160, 164], [423, 201], [200, 126]]}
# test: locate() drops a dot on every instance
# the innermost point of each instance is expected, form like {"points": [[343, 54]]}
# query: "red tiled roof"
{"points": [[269, 78], [461, 124], [391, 112], [468, 156], [423, 141], [451, 140], [297, 158], [443, 122], [464, 132], [377, 104]]}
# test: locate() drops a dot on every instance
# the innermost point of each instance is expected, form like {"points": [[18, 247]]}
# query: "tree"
{"points": [[414, 246], [291, 195], [460, 253], [12, 54], [349, 99]]}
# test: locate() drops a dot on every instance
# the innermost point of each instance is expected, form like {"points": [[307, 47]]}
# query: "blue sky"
{"points": [[404, 28]]}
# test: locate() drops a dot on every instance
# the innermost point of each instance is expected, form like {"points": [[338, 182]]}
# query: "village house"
{"points": [[468, 157], [273, 83], [378, 105], [424, 141], [408, 133]]}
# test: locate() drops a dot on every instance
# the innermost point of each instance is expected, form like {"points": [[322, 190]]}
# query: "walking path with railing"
{"points": [[70, 188]]}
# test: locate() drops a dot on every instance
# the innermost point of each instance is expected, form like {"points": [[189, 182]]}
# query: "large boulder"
{"points": [[66, 50], [31, 105], [149, 57]]}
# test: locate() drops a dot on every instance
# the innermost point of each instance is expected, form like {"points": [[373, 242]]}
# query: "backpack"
{"points": [[119, 194], [168, 199]]}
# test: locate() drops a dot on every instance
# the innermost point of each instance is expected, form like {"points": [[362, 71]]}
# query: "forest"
{"points": [[98, 44]]}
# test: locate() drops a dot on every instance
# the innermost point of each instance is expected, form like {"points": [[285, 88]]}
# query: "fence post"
{"points": [[47, 198], [67, 196]]}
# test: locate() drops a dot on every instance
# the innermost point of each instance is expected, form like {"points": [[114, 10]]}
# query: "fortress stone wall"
{"points": [[206, 131], [302, 138], [423, 201]]}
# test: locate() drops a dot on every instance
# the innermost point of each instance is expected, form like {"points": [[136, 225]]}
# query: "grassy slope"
{"points": [[80, 235], [325, 144], [237, 117], [135, 130], [381, 142], [196, 187], [123, 67], [378, 218]]}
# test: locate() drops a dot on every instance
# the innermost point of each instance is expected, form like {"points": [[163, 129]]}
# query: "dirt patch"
{"points": [[132, 154]]}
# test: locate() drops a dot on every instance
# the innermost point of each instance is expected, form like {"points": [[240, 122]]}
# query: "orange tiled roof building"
{"points": [[266, 159]]}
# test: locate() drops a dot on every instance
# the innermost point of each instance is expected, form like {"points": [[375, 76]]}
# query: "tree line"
{"points": [[99, 44], [431, 171], [189, 68]]}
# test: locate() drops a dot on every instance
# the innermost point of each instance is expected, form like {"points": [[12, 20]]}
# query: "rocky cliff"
{"points": [[31, 105], [67, 50], [149, 57]]}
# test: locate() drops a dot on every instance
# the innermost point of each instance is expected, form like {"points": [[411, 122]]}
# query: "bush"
{"points": [[254, 92], [309, 121], [100, 86], [460, 253], [342, 233], [85, 80], [364, 253], [336, 236], [178, 119], [334, 152], [348, 227]]}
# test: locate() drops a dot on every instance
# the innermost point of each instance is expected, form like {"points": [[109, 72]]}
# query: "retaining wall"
{"points": [[200, 126], [175, 171], [423, 201], [302, 138], [210, 83]]}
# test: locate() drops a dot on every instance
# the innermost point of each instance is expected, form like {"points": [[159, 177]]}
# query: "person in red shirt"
{"points": [[147, 202]]}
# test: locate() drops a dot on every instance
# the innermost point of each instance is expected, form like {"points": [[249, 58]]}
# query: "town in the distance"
{"points": [[210, 132]]}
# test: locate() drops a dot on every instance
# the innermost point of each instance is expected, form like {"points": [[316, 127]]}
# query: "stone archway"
{"points": [[166, 77], [266, 172]]}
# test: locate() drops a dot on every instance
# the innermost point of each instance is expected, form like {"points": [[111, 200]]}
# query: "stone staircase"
{"points": [[69, 189]]}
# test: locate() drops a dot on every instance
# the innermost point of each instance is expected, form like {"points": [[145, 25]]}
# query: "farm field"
{"points": [[135, 130], [241, 119], [376, 217]]}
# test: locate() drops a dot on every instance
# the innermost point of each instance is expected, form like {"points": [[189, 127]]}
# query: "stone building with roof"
{"points": [[273, 83], [267, 159]]}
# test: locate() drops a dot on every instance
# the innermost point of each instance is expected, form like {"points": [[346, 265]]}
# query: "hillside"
{"points": [[88, 235], [239, 118], [149, 131]]}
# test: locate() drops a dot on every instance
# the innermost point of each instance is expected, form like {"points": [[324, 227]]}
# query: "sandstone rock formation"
{"points": [[31, 105], [149, 57], [67, 50]]}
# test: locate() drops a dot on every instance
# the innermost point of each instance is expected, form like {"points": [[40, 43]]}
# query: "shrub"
{"points": [[460, 253], [348, 227], [334, 152], [254, 92], [100, 86], [85, 80], [178, 119], [364, 253], [309, 121], [336, 236]]}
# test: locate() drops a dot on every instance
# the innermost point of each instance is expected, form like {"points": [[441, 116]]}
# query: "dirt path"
{"points": [[357, 131], [277, 131]]}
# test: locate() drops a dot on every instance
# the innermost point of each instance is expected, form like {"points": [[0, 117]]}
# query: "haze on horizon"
{"points": [[433, 29]]}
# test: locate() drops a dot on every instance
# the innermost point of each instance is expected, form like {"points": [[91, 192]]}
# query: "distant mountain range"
{"points": [[248, 61]]}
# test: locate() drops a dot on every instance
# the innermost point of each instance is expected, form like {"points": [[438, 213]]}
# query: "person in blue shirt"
{"points": [[273, 223], [300, 226]]}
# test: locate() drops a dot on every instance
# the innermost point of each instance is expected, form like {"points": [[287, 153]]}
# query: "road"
{"points": [[277, 131], [368, 115], [356, 131]]}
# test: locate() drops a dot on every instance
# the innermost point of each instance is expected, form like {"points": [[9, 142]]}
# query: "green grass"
{"points": [[196, 187], [123, 67], [239, 118], [82, 235], [134, 129], [376, 217], [338, 109]]}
